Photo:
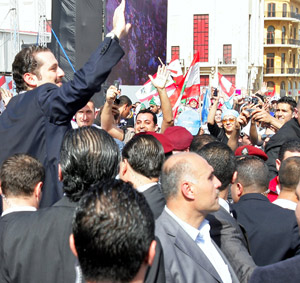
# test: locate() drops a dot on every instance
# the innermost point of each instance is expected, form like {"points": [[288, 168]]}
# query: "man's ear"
{"points": [[30, 79], [187, 190], [60, 176], [38, 191], [0, 189], [151, 253], [296, 113], [240, 189], [156, 128], [72, 245], [234, 176], [124, 167], [278, 164]]}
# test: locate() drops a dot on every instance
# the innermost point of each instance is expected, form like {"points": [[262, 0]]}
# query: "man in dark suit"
{"points": [[36, 120], [36, 247], [272, 231], [225, 231], [142, 160], [191, 192], [113, 234]]}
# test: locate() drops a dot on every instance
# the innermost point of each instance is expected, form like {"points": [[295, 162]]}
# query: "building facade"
{"points": [[282, 47], [228, 34]]}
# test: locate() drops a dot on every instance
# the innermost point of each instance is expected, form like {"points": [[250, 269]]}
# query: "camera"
{"points": [[254, 100], [216, 92]]}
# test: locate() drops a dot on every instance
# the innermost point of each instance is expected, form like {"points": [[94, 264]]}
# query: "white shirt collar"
{"points": [[18, 208], [190, 230], [224, 204], [145, 187]]}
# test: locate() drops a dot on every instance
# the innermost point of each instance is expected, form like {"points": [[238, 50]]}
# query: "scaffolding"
{"points": [[42, 29], [14, 27]]}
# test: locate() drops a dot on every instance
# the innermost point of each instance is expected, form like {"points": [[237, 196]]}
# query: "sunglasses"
{"points": [[230, 120]]}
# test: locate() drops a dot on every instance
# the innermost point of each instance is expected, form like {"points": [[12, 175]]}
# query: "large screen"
{"points": [[145, 42]]}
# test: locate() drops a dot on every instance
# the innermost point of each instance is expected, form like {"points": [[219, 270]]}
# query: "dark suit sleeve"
{"points": [[156, 273], [232, 243], [59, 104], [283, 271]]}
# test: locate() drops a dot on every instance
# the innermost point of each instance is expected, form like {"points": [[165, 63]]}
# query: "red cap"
{"points": [[181, 138], [165, 142], [250, 150]]}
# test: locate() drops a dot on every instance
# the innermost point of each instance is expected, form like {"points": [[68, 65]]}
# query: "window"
{"points": [[294, 61], [284, 9], [231, 78], [227, 56], [282, 62], [270, 63], [175, 52], [282, 85], [283, 35], [296, 11], [204, 80], [201, 25], [270, 35], [295, 31], [271, 10]]}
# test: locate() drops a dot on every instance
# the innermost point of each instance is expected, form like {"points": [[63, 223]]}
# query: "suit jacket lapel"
{"points": [[186, 244]]}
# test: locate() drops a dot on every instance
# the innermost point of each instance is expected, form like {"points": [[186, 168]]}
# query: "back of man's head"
{"points": [[222, 159], [113, 229], [87, 155], [289, 173], [25, 62], [291, 146], [145, 155], [199, 141], [19, 174], [252, 173], [125, 100]]}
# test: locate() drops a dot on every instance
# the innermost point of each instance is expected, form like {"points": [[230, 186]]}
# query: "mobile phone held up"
{"points": [[117, 85]]}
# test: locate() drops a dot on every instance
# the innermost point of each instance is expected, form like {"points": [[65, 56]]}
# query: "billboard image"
{"points": [[145, 42]]}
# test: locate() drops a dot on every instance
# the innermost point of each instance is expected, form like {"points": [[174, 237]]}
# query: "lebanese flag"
{"points": [[176, 72], [226, 86], [271, 94], [147, 91], [2, 81], [190, 85]]}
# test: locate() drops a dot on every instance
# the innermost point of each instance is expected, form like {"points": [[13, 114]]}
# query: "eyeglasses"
{"points": [[230, 120]]}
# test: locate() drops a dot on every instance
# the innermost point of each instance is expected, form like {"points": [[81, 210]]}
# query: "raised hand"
{"points": [[120, 28], [161, 78]]}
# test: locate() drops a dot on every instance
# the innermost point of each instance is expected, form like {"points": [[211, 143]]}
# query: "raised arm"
{"points": [[107, 118], [212, 111], [160, 84]]}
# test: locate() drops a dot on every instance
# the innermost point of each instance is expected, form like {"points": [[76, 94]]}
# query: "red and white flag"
{"points": [[175, 70], [227, 87], [190, 85], [271, 94], [147, 91]]}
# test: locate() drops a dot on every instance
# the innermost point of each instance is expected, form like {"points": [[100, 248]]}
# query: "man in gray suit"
{"points": [[191, 192]]}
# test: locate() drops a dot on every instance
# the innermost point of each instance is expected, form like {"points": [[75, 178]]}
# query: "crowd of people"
{"points": [[126, 193]]}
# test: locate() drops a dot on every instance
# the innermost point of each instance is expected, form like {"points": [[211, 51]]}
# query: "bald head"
{"points": [[188, 176]]}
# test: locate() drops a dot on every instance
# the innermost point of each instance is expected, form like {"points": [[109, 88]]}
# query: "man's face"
{"points": [[206, 188], [284, 112], [124, 112], [154, 108], [86, 115], [228, 123], [49, 70], [144, 123]]}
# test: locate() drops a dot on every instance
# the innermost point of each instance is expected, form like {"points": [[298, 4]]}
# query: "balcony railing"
{"points": [[282, 14], [284, 41], [227, 61], [279, 71]]}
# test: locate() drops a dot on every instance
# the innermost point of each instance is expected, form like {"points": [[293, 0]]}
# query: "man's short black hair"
{"points": [[288, 100], [289, 173], [25, 62], [292, 146], [124, 100], [201, 140], [113, 228], [252, 171], [145, 155], [150, 112], [87, 155], [220, 156], [19, 174]]}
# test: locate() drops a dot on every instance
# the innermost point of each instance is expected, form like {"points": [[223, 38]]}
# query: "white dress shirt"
{"points": [[285, 203], [143, 188], [17, 209], [202, 237]]}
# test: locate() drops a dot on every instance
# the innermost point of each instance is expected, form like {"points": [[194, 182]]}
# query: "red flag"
{"points": [[226, 86], [271, 94], [2, 81]]}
